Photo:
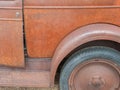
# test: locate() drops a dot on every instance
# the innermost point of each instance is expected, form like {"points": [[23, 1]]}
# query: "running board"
{"points": [[35, 74]]}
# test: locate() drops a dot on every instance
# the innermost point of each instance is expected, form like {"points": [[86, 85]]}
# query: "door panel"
{"points": [[11, 3], [11, 14], [11, 33]]}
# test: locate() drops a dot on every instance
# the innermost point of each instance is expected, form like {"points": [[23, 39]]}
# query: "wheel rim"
{"points": [[97, 74]]}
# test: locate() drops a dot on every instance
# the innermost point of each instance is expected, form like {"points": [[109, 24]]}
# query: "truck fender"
{"points": [[80, 36]]}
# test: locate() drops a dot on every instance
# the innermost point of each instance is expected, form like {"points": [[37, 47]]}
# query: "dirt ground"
{"points": [[15, 88], [18, 88]]}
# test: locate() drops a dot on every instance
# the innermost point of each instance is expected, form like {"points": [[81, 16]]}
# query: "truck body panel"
{"points": [[45, 28], [11, 33], [71, 3], [36, 36]]}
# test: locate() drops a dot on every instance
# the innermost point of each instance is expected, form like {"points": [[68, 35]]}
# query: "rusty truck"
{"points": [[77, 41]]}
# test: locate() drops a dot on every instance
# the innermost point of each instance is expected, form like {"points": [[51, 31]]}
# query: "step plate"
{"points": [[24, 78], [35, 74]]}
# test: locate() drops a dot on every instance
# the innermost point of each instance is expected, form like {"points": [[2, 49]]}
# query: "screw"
{"points": [[17, 14]]}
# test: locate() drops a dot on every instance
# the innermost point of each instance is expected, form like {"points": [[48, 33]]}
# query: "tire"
{"points": [[84, 55]]}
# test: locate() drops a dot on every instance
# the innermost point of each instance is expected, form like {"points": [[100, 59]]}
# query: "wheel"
{"points": [[92, 68]]}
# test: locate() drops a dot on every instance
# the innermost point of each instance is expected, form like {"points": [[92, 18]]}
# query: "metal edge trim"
{"points": [[13, 8], [68, 7], [10, 19]]}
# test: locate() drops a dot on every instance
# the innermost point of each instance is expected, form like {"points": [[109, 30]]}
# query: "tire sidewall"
{"points": [[85, 55]]}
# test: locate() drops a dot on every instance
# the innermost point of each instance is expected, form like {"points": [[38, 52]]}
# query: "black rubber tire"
{"points": [[83, 55]]}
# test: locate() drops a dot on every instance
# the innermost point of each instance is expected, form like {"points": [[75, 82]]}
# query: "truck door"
{"points": [[11, 33]]}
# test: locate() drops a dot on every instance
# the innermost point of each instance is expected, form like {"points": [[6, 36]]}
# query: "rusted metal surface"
{"points": [[81, 36], [35, 74], [14, 4], [11, 33], [47, 23], [38, 64], [45, 28], [71, 3], [95, 75], [11, 15]]}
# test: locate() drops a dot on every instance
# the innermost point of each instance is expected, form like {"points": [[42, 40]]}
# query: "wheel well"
{"points": [[107, 43]]}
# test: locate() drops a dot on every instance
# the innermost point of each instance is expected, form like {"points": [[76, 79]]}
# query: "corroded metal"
{"points": [[97, 81], [71, 3], [11, 33], [97, 74], [51, 24], [81, 36], [11, 4], [46, 28]]}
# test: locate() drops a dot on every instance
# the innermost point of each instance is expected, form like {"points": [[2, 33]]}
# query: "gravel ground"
{"points": [[7, 88], [18, 88]]}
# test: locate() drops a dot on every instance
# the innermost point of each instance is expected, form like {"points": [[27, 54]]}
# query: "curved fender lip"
{"points": [[80, 36]]}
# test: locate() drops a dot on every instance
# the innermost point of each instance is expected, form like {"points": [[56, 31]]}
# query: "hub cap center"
{"points": [[97, 81]]}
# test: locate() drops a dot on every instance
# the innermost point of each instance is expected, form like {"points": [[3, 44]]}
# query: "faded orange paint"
{"points": [[45, 28], [11, 33]]}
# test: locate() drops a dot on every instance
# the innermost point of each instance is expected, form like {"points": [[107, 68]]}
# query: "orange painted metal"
{"points": [[71, 2], [14, 4], [53, 28], [45, 28], [35, 74], [95, 74], [80, 36], [11, 33], [47, 23]]}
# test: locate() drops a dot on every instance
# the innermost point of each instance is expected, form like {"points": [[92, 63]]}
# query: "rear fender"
{"points": [[80, 36]]}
